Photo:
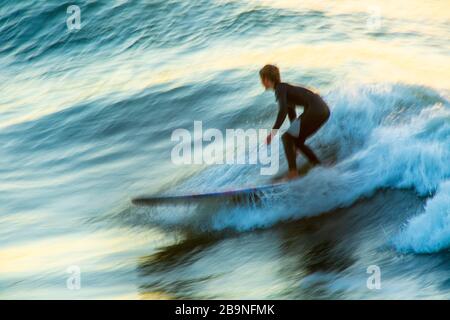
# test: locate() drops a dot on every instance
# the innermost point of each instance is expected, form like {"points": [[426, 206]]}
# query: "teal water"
{"points": [[86, 119]]}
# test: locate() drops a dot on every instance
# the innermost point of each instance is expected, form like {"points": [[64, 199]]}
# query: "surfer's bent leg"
{"points": [[301, 129], [289, 149], [295, 138], [308, 126], [312, 158]]}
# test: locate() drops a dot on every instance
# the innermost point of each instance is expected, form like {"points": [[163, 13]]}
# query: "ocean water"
{"points": [[86, 118]]}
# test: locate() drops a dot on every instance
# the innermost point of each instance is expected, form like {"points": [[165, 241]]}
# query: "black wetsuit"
{"points": [[315, 114]]}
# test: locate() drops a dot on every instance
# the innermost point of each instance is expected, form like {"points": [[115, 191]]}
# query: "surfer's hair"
{"points": [[271, 72]]}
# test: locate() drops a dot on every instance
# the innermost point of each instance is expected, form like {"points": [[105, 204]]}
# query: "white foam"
{"points": [[430, 231]]}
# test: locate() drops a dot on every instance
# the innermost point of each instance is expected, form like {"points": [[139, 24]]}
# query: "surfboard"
{"points": [[236, 195]]}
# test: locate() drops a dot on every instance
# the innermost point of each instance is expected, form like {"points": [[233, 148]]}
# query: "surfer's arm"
{"points": [[283, 107], [282, 113]]}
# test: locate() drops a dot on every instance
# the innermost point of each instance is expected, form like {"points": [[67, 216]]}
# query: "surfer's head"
{"points": [[270, 76]]}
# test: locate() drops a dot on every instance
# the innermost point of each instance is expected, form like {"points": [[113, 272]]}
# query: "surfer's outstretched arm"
{"points": [[282, 113], [283, 108]]}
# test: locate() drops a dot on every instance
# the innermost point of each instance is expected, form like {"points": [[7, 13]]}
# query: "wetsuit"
{"points": [[315, 114]]}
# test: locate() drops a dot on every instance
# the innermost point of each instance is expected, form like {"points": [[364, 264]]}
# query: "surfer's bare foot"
{"points": [[312, 165], [292, 174]]}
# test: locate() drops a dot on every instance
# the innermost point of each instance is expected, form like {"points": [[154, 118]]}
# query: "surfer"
{"points": [[315, 114]]}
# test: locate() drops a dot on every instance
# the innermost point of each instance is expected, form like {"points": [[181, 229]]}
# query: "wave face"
{"points": [[86, 118]]}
